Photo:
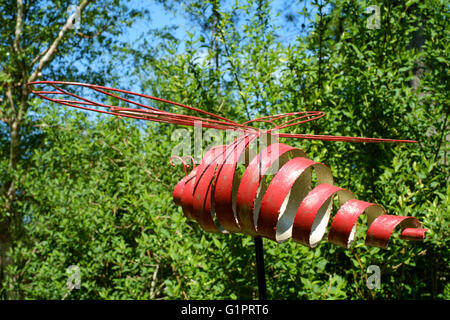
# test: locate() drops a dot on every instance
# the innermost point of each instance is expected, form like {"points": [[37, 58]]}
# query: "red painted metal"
{"points": [[145, 112], [221, 200], [279, 214]]}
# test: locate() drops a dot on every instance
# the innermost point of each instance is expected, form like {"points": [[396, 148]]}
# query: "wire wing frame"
{"points": [[136, 108]]}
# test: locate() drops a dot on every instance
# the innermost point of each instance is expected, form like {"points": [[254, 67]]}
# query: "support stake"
{"points": [[260, 272]]}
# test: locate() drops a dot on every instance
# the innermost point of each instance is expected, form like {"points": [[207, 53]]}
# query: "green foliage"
{"points": [[96, 191]]}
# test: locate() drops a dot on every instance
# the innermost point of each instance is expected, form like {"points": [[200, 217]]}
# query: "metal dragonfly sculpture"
{"points": [[222, 200]]}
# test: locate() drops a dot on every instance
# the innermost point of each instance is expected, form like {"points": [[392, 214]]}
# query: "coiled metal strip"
{"points": [[220, 200]]}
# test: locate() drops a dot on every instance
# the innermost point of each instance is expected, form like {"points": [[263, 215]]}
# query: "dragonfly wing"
{"points": [[341, 138], [99, 98]]}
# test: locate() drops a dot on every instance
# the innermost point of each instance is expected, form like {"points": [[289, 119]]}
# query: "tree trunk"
{"points": [[11, 214], [416, 43]]}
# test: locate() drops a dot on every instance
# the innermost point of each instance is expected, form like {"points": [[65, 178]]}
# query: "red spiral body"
{"points": [[221, 200]]}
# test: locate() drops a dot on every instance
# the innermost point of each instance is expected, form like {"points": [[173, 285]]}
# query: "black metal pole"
{"points": [[260, 272]]}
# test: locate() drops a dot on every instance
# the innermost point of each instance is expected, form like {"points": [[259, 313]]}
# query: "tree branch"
{"points": [[92, 36], [236, 78], [441, 138], [9, 96], [36, 59], [19, 22], [45, 59]]}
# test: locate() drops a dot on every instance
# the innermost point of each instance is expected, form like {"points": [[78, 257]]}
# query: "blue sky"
{"points": [[160, 17]]}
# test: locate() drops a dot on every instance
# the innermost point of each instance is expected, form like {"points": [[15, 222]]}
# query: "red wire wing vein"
{"points": [[203, 118]]}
